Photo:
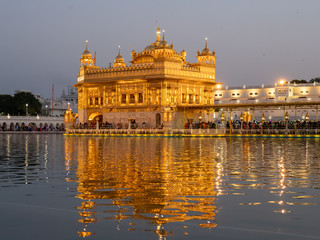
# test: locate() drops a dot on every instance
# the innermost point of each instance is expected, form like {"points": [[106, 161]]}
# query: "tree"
{"points": [[296, 81], [6, 106], [20, 101], [317, 79]]}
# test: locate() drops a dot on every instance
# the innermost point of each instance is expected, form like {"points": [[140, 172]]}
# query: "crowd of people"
{"points": [[31, 127], [211, 125], [255, 125], [107, 125]]}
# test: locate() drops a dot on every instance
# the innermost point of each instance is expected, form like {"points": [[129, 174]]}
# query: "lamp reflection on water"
{"points": [[144, 181], [159, 182]]}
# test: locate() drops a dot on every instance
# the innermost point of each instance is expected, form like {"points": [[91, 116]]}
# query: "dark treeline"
{"points": [[21, 104], [297, 81]]}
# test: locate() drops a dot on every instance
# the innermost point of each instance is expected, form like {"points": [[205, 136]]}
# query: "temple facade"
{"points": [[158, 88]]}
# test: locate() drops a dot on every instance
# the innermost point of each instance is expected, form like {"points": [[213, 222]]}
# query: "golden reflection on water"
{"points": [[170, 180], [145, 179]]}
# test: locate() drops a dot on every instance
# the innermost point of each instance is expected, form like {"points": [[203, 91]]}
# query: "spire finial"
{"points": [[163, 31], [158, 34], [206, 42], [119, 50], [86, 44]]}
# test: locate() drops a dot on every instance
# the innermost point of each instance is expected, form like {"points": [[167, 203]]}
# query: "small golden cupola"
{"points": [[163, 43], [183, 54], [206, 57], [133, 53], [119, 61], [86, 57]]}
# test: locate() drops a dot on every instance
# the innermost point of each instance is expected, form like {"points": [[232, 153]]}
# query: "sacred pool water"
{"points": [[63, 187]]}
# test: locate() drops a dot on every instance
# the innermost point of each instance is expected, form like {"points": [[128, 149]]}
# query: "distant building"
{"points": [[297, 95], [60, 105]]}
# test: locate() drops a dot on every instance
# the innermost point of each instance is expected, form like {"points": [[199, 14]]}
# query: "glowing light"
{"points": [[218, 86], [282, 81]]}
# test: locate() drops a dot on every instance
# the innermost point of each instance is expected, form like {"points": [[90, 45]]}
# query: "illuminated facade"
{"points": [[303, 98], [159, 87]]}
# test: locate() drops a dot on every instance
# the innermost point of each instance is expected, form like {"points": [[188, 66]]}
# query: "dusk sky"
{"points": [[256, 41]]}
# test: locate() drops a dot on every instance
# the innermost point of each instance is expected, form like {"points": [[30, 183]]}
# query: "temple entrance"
{"points": [[96, 116]]}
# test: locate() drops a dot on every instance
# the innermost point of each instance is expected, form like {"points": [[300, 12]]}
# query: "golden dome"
{"points": [[206, 50], [86, 52], [163, 43], [149, 48], [133, 51], [119, 56], [158, 49], [183, 53]]}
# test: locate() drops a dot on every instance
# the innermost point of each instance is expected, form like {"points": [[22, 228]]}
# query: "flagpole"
{"points": [[52, 100]]}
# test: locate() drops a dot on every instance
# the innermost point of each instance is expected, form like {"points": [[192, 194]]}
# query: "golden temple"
{"points": [[158, 88]]}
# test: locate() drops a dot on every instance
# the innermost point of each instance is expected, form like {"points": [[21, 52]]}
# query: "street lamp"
{"points": [[282, 81], [222, 118], [241, 120], [46, 110], [307, 117], [27, 109], [286, 118], [200, 119], [129, 120], [97, 122], [263, 119]]}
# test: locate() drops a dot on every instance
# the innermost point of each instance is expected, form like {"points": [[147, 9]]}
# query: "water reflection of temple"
{"points": [[172, 180], [145, 179]]}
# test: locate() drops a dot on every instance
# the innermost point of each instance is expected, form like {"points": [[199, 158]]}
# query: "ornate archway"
{"points": [[93, 117]]}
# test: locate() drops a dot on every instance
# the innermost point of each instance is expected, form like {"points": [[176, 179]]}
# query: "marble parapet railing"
{"points": [[186, 132], [146, 131], [8, 119], [144, 70]]}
